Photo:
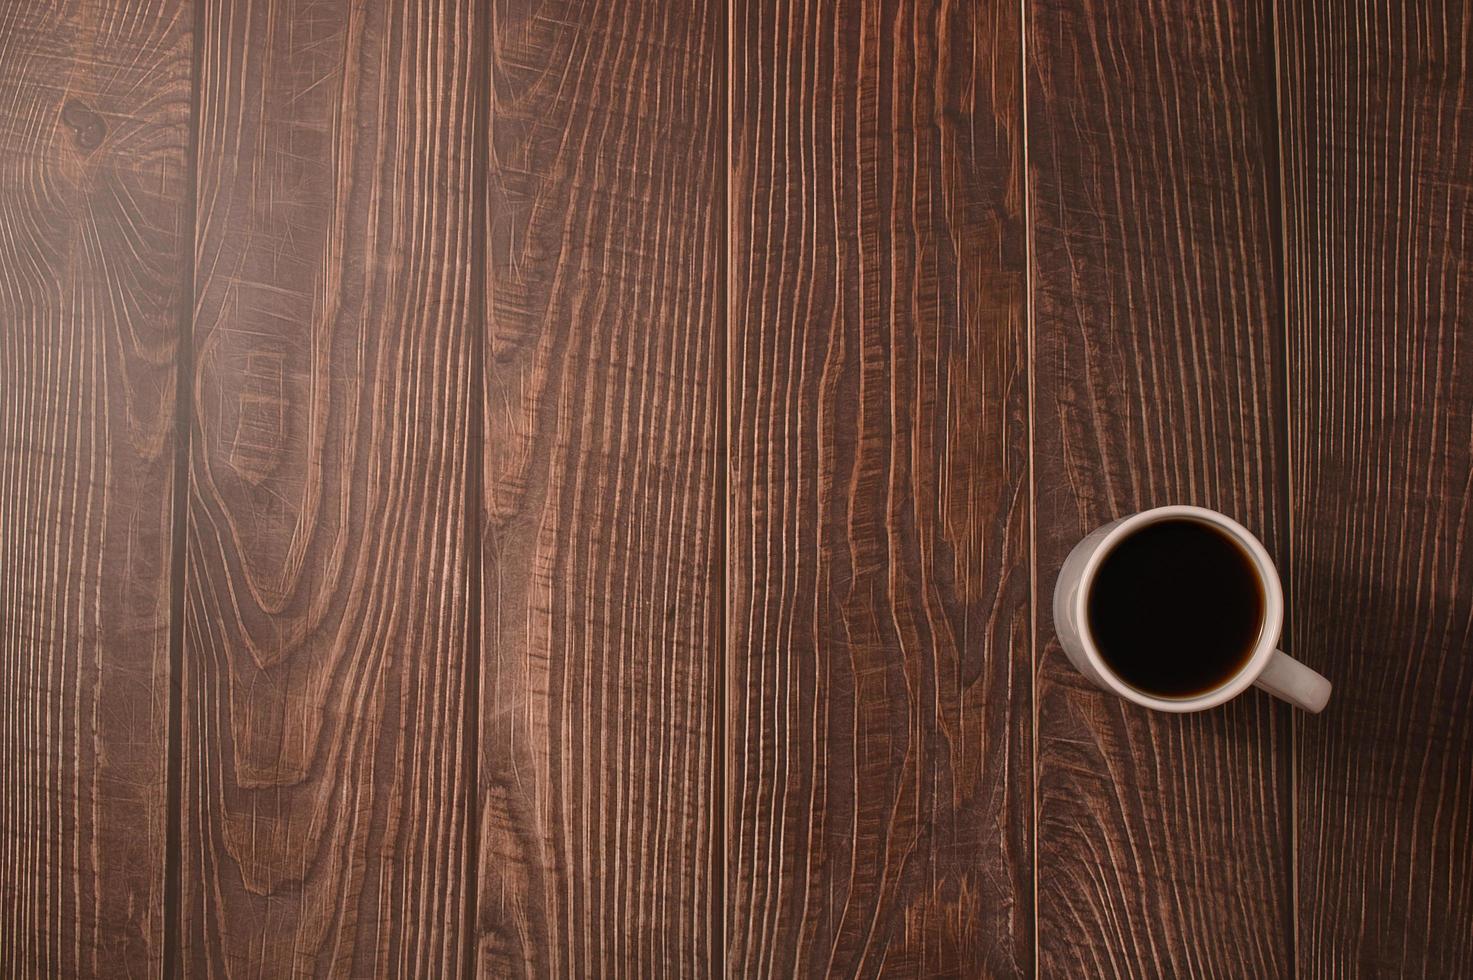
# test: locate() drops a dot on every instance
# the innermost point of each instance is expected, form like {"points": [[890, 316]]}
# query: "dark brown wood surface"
{"points": [[879, 579], [94, 121], [1377, 131], [602, 517], [326, 785], [586, 502], [1163, 841]]}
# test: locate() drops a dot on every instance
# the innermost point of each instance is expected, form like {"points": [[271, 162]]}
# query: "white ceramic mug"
{"points": [[1269, 667]]}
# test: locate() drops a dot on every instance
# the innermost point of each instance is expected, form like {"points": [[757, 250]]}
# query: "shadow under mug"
{"points": [[1267, 667]]}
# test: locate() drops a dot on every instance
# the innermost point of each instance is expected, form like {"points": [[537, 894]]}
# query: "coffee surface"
{"points": [[1176, 608]]}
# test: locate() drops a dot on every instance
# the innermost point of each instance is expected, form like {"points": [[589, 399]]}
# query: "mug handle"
{"points": [[1287, 678]]}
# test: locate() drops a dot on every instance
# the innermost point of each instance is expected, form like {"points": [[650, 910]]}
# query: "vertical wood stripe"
{"points": [[326, 636], [94, 112], [1163, 841], [1377, 130], [879, 784], [602, 513]]}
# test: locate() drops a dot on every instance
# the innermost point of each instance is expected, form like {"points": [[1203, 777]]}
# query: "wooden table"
{"points": [[562, 488]]}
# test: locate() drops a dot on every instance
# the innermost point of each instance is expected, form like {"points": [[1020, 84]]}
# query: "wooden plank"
{"points": [[94, 116], [1163, 841], [1378, 150], [602, 517], [879, 688], [328, 630]]}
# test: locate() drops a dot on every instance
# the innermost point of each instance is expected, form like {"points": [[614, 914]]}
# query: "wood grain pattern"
{"points": [[602, 517], [328, 624], [879, 693], [1378, 151], [94, 112], [630, 447], [1163, 841]]}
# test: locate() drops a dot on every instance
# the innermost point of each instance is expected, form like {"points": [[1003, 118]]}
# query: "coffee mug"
{"points": [[1179, 609]]}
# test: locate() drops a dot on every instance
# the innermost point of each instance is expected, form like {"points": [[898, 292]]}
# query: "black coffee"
{"points": [[1176, 608]]}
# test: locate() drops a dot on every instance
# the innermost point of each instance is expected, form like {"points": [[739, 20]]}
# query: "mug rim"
{"points": [[1268, 630]]}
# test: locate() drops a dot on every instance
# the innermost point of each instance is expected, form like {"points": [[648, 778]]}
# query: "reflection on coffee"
{"points": [[1176, 608]]}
